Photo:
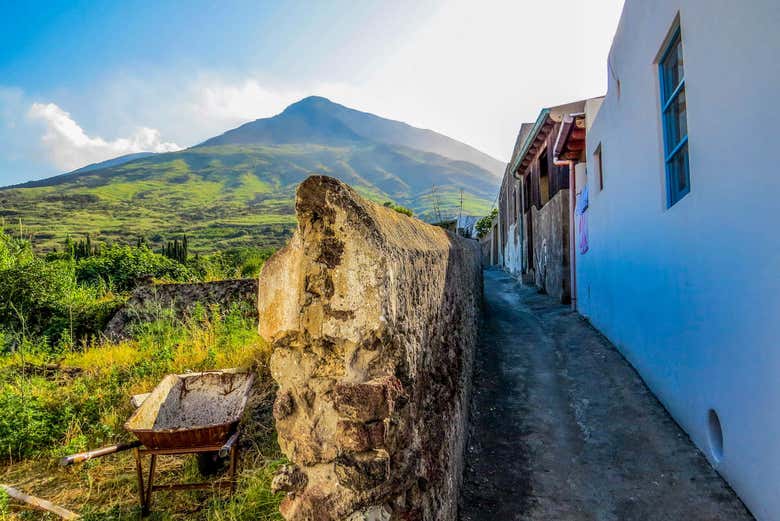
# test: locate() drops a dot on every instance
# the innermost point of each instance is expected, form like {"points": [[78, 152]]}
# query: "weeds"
{"points": [[61, 391]]}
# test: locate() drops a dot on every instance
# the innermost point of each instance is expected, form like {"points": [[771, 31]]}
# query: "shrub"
{"points": [[230, 264], [43, 298], [34, 293], [121, 267], [483, 225], [26, 423], [13, 251]]}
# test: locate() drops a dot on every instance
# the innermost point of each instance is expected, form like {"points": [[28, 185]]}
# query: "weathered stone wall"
{"points": [[373, 319], [485, 244], [146, 301], [551, 247]]}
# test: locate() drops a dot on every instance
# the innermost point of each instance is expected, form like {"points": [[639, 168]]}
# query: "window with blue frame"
{"points": [[675, 122]]}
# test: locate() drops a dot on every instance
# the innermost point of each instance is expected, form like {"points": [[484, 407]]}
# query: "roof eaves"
{"points": [[563, 135], [540, 121], [565, 131]]}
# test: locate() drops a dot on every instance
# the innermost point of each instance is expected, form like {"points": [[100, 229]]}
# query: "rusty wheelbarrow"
{"points": [[196, 413]]}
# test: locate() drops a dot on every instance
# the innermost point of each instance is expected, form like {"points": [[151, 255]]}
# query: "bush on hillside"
{"points": [[43, 299], [13, 251], [68, 300], [235, 263], [121, 267]]}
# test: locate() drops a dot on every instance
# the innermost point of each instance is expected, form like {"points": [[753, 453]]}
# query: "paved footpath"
{"points": [[562, 428]]}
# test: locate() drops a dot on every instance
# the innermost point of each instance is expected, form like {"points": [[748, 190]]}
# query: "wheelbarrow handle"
{"points": [[104, 451], [225, 450]]}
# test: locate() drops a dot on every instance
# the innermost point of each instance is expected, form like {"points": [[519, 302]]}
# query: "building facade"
{"points": [[532, 232], [682, 268]]}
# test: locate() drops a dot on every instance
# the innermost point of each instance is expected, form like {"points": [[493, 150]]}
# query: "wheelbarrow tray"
{"points": [[191, 410]]}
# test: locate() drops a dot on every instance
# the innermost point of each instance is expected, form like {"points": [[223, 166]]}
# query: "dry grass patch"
{"points": [[50, 415]]}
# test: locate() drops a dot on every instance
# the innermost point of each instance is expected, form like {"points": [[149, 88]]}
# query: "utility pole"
{"points": [[435, 200], [460, 214]]}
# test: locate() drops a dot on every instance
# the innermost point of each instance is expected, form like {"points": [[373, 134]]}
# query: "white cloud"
{"points": [[69, 147], [245, 101], [223, 102]]}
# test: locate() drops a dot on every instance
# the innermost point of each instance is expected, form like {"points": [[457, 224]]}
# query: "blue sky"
{"points": [[84, 81], [69, 45]]}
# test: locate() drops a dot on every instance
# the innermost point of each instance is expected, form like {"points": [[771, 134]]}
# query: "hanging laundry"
{"points": [[582, 220]]}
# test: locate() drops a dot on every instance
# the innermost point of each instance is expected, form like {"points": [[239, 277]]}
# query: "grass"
{"points": [[53, 415]]}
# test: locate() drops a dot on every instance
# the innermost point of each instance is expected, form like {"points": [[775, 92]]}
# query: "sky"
{"points": [[85, 81]]}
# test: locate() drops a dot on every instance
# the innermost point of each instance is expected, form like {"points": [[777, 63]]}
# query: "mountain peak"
{"points": [[318, 120], [310, 105], [309, 101]]}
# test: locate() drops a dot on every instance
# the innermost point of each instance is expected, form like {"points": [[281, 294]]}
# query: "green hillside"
{"points": [[226, 195], [231, 195]]}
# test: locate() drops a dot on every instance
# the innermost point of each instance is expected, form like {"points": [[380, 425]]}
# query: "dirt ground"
{"points": [[562, 428]]}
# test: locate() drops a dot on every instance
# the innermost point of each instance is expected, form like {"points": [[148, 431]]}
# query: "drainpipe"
{"points": [[572, 241], [521, 224]]}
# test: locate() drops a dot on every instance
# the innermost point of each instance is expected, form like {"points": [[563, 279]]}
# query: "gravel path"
{"points": [[562, 428]]}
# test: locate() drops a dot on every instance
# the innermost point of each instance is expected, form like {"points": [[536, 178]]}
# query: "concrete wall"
{"points": [[551, 246], [691, 293], [149, 301], [373, 320]]}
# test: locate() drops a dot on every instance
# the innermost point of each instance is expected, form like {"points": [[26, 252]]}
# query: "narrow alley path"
{"points": [[564, 429]]}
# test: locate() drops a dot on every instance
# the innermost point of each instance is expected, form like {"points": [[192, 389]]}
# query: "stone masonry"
{"points": [[372, 316], [147, 301]]}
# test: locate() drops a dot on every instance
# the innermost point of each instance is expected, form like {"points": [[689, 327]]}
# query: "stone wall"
{"points": [[485, 244], [148, 301], [551, 247], [373, 320]]}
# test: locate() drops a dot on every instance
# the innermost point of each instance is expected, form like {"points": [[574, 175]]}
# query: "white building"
{"points": [[683, 267]]}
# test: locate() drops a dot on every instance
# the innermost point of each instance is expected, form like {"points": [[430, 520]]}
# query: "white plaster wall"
{"points": [[691, 294], [513, 251]]}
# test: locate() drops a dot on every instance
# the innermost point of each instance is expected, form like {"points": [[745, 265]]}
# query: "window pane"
{"points": [[676, 121], [672, 68], [678, 174]]}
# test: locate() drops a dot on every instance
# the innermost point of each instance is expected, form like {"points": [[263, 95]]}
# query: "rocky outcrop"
{"points": [[373, 319], [151, 301]]}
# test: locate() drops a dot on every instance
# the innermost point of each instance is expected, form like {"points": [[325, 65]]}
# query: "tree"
{"points": [[177, 250], [81, 249], [483, 225]]}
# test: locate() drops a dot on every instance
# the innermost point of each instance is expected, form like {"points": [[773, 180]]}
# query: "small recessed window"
{"points": [[675, 121], [599, 165]]}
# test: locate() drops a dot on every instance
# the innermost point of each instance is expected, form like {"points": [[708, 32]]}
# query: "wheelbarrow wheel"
{"points": [[210, 464]]}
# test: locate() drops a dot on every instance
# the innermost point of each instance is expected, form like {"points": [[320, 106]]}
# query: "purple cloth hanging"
{"points": [[582, 220]]}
